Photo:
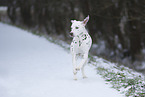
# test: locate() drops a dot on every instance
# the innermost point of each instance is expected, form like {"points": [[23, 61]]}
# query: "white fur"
{"points": [[80, 45]]}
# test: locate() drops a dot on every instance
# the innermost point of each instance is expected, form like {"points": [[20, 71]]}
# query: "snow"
{"points": [[31, 66]]}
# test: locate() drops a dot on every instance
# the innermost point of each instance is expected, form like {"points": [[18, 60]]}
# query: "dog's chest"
{"points": [[81, 44]]}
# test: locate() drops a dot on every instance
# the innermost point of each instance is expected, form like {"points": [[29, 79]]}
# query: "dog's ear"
{"points": [[86, 20], [72, 21]]}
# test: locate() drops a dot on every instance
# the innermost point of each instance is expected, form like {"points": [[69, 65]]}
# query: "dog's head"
{"points": [[78, 27]]}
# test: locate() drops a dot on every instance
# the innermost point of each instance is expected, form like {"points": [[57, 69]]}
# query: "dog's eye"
{"points": [[77, 27]]}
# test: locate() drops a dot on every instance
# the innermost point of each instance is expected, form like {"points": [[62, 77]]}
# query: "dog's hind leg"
{"points": [[74, 66], [82, 62], [82, 69]]}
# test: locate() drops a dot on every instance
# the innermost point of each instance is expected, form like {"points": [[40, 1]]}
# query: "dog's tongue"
{"points": [[71, 34]]}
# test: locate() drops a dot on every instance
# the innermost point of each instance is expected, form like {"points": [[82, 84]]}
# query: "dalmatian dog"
{"points": [[80, 45]]}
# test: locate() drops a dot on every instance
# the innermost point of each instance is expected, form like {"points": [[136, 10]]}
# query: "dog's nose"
{"points": [[71, 34]]}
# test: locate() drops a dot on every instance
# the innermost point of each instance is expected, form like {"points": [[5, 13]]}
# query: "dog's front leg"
{"points": [[74, 66]]}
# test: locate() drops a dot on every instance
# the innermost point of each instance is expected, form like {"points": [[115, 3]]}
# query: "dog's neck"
{"points": [[81, 37]]}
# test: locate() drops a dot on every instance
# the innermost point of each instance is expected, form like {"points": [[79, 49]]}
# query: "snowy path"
{"points": [[30, 66]]}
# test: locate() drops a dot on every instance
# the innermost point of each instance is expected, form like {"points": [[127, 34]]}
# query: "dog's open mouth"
{"points": [[71, 34]]}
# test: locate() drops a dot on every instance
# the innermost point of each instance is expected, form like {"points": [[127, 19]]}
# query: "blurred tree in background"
{"points": [[116, 26]]}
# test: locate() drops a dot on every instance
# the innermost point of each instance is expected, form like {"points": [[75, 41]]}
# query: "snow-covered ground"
{"points": [[31, 66]]}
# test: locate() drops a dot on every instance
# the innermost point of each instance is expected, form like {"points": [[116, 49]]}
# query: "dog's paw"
{"points": [[77, 69], [75, 79]]}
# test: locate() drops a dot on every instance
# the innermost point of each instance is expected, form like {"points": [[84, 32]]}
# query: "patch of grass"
{"points": [[122, 79]]}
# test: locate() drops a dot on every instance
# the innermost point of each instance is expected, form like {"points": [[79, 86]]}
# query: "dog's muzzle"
{"points": [[71, 34]]}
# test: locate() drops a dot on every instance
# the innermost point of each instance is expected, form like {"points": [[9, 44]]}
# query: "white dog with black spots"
{"points": [[80, 45]]}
